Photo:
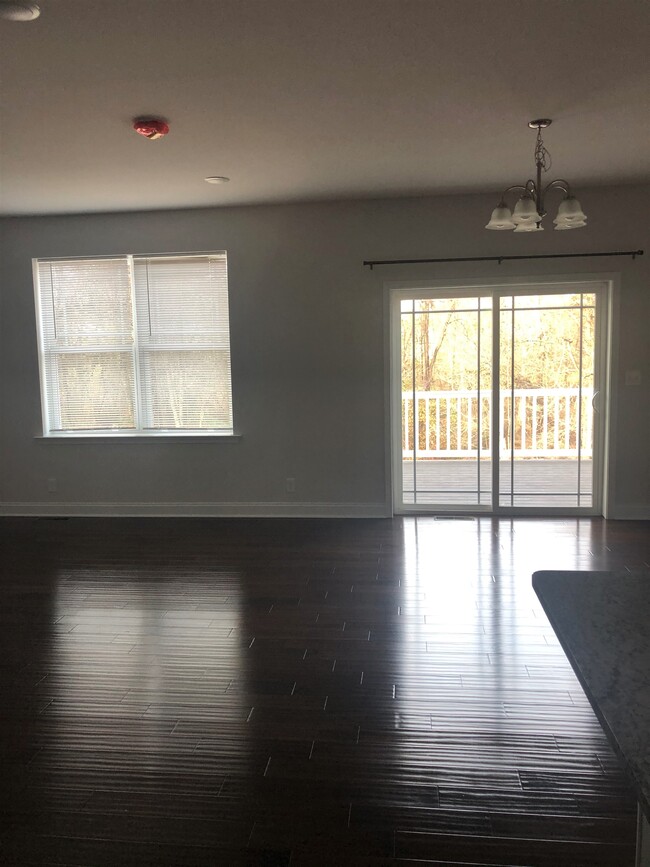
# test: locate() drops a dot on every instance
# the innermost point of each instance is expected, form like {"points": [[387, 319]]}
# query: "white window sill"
{"points": [[148, 436]]}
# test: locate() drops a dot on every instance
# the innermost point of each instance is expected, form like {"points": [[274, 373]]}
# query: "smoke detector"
{"points": [[18, 11], [151, 127]]}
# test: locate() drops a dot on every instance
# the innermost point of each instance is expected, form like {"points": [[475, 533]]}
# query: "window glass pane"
{"points": [[532, 301], [444, 305], [186, 297], [95, 390], [189, 389], [91, 302]]}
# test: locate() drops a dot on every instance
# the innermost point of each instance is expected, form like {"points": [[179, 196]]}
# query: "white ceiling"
{"points": [[299, 100]]}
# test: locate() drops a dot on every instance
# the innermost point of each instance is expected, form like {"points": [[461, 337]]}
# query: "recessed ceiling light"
{"points": [[18, 11], [216, 179]]}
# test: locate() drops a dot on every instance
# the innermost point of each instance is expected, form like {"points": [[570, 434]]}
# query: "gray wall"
{"points": [[308, 351]]}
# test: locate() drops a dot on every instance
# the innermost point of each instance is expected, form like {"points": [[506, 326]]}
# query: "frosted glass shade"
{"points": [[525, 210], [501, 218], [576, 224], [529, 226], [18, 11], [570, 214]]}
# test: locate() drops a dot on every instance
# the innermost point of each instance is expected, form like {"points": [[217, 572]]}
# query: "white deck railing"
{"points": [[541, 423]]}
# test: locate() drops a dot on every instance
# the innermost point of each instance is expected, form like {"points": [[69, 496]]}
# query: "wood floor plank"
{"points": [[301, 692]]}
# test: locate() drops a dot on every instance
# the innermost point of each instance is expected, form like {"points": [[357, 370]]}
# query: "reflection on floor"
{"points": [[274, 692]]}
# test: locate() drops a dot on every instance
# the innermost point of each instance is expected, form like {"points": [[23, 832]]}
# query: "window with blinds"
{"points": [[134, 344]]}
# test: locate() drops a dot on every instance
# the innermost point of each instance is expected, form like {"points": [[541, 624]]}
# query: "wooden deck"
{"points": [[537, 482]]}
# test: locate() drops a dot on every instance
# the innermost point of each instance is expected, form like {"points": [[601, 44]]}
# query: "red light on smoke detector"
{"points": [[151, 127]]}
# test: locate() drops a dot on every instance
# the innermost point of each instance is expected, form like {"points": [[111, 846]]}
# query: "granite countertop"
{"points": [[602, 620]]}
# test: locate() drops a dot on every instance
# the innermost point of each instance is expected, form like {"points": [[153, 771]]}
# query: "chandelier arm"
{"points": [[514, 187], [558, 184]]}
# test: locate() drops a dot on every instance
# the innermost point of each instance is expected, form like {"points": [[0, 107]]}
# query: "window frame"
{"points": [[141, 400]]}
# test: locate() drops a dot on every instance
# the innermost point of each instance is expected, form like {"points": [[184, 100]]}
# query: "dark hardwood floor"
{"points": [[301, 692]]}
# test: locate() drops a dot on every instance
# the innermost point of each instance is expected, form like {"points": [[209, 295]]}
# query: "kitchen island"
{"points": [[602, 620]]}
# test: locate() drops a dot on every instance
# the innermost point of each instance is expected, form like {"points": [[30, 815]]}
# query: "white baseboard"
{"points": [[191, 510], [630, 512], [627, 512]]}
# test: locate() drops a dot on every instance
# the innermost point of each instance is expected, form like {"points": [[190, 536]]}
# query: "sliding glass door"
{"points": [[495, 398], [546, 376], [446, 385]]}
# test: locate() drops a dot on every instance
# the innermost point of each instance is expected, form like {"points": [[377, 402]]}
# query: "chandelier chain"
{"points": [[542, 156]]}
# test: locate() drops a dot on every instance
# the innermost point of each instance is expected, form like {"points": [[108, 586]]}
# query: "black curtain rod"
{"points": [[371, 263]]}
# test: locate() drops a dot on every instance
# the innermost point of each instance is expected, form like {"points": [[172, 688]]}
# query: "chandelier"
{"points": [[18, 11], [529, 210]]}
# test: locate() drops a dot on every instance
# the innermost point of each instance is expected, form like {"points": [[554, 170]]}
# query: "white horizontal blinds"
{"points": [[164, 365], [183, 341], [87, 344]]}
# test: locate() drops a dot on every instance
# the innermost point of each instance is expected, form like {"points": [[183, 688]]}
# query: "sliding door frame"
{"points": [[606, 309]]}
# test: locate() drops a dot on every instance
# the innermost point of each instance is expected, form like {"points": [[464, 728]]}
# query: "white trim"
{"points": [[394, 441], [190, 510], [45, 410], [184, 436], [389, 486], [609, 340], [411, 288]]}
